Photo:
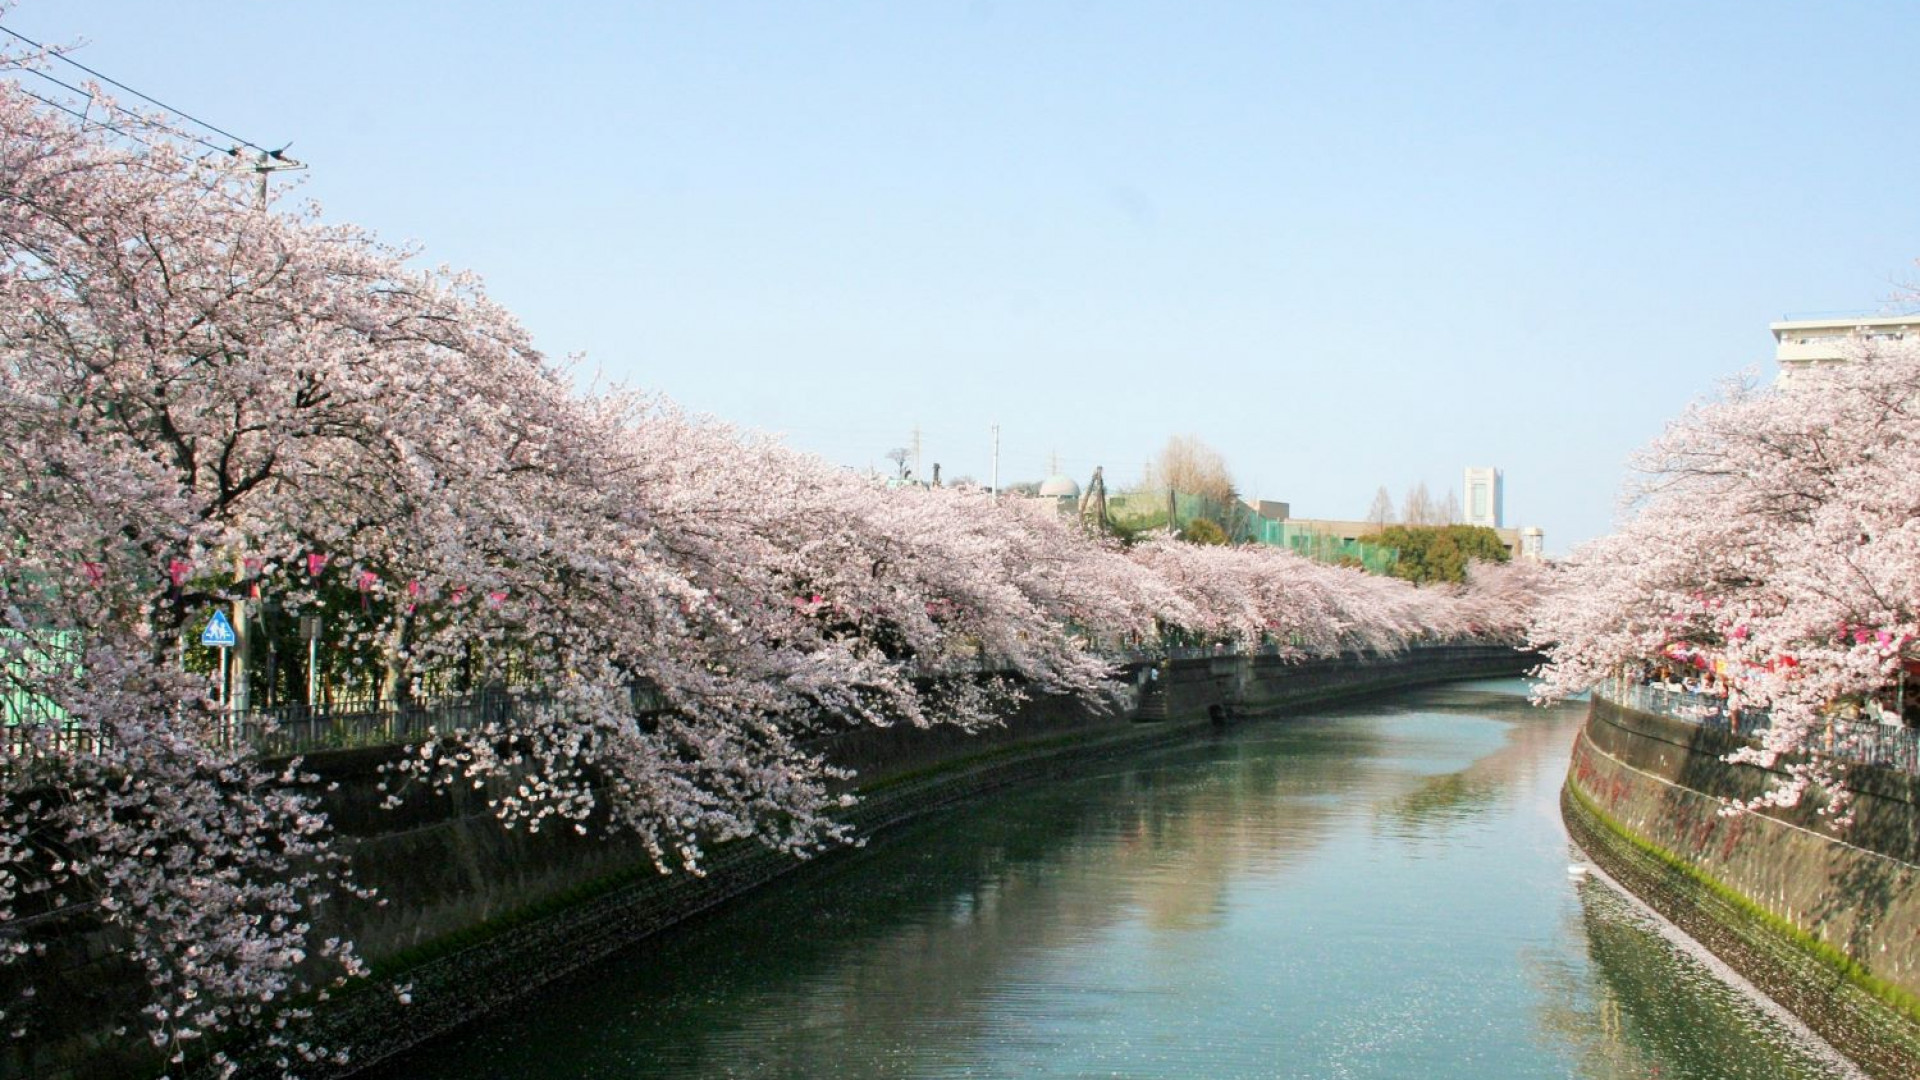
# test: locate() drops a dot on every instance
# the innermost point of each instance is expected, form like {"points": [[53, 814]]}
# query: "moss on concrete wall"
{"points": [[1827, 924]]}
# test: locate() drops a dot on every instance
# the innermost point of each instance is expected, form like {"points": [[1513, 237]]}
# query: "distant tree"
{"points": [[1450, 509], [1418, 507], [1431, 553], [899, 455], [1190, 466], [1380, 514]]}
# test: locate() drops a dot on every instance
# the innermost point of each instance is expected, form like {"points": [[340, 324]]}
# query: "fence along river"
{"points": [[1379, 891]]}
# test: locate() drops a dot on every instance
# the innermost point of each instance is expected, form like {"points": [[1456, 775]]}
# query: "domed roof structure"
{"points": [[1058, 486]]}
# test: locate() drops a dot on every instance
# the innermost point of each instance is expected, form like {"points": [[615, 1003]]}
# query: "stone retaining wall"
{"points": [[1827, 923]]}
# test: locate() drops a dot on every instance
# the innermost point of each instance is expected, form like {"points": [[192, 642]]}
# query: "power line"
{"points": [[266, 161], [58, 55], [87, 119], [123, 111]]}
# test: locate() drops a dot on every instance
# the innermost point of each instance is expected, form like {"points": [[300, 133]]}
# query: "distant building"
{"points": [[1800, 344], [1063, 491], [1059, 486], [1485, 501]]}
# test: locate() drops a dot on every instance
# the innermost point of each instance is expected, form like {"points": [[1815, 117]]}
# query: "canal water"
{"points": [[1381, 891]]}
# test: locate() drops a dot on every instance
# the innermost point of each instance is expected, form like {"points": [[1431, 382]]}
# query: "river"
{"points": [[1375, 891]]}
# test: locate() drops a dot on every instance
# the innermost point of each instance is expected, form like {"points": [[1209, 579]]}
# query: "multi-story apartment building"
{"points": [[1800, 344]]}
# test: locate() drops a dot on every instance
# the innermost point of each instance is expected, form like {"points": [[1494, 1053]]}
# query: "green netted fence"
{"points": [[26, 660], [1322, 546], [1139, 512]]}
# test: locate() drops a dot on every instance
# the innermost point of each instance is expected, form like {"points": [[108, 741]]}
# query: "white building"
{"points": [[1484, 501], [1799, 344], [1533, 544]]}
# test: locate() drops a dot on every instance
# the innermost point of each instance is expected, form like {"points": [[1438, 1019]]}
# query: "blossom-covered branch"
{"points": [[203, 402], [1775, 531]]}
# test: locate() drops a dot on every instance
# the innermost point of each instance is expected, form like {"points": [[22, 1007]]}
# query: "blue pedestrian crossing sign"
{"points": [[219, 633]]}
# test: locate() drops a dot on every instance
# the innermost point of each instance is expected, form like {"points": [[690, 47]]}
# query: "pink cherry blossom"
{"points": [[193, 382], [1776, 531]]}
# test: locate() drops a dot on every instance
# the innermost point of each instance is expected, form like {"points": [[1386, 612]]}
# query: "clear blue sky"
{"points": [[1348, 244]]}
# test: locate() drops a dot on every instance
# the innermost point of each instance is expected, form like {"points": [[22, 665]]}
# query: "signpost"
{"points": [[310, 629], [219, 635]]}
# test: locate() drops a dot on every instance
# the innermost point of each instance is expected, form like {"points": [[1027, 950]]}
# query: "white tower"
{"points": [[1485, 504]]}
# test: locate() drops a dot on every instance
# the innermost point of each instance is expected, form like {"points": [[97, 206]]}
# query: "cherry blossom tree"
{"points": [[203, 401], [1251, 594], [196, 384], [140, 434], [1778, 531], [1501, 599]]}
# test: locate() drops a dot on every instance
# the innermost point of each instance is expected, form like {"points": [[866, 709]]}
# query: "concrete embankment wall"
{"points": [[1826, 922], [475, 915]]}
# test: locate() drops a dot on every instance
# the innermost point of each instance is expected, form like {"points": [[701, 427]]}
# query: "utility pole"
{"points": [[916, 450], [240, 692], [240, 696], [310, 629], [994, 483], [268, 162]]}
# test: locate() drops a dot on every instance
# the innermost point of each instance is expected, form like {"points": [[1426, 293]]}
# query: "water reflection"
{"points": [[1656, 1010], [1375, 892]]}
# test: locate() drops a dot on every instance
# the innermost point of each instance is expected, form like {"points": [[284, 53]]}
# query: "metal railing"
{"points": [[296, 729], [292, 729], [1863, 741], [352, 723]]}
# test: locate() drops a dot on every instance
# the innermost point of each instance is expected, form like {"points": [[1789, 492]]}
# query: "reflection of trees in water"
{"points": [[900, 959], [883, 958], [1644, 1008], [1238, 806], [1492, 704], [1443, 800], [1439, 802]]}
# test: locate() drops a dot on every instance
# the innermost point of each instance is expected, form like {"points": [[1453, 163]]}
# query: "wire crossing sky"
{"points": [[59, 58], [1348, 245]]}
